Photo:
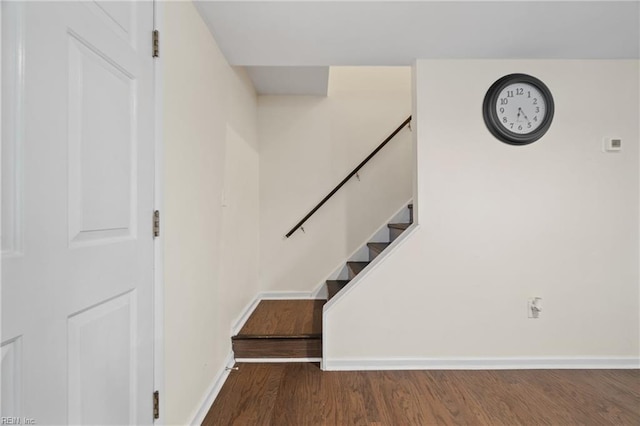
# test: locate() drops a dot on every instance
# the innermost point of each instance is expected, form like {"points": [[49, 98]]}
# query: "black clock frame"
{"points": [[492, 120]]}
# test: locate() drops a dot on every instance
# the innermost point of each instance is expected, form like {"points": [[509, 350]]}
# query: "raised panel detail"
{"points": [[12, 127], [11, 397], [119, 16], [102, 363], [102, 147]]}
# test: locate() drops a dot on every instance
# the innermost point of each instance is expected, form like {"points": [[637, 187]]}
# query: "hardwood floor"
{"points": [[287, 318], [301, 394]]}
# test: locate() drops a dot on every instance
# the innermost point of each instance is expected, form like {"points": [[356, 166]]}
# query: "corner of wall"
{"points": [[211, 249]]}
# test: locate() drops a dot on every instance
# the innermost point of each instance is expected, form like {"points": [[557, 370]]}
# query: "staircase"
{"points": [[293, 328]]}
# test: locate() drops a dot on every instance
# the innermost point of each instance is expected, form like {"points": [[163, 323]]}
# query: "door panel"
{"points": [[11, 377], [78, 164], [102, 339], [102, 172], [119, 16]]}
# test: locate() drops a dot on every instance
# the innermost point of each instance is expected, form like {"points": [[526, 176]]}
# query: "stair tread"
{"points": [[399, 225], [378, 247], [358, 263], [284, 319], [276, 336]]}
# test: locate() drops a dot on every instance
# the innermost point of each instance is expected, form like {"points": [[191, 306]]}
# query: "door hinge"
{"points": [[156, 43], [156, 223], [156, 405]]}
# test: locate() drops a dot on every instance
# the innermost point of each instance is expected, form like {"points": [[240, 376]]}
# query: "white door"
{"points": [[77, 201]]}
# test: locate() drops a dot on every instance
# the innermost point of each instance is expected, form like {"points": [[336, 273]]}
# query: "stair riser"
{"points": [[394, 233], [278, 348], [355, 268], [373, 254], [333, 287], [331, 293]]}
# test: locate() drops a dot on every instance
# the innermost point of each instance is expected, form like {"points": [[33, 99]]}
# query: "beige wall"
{"points": [[498, 224], [307, 146], [210, 250]]}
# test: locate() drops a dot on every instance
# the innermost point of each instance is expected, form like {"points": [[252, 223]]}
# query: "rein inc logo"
{"points": [[17, 421]]}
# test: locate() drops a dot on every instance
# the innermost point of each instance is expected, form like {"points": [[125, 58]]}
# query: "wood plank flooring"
{"points": [[301, 394], [288, 318]]}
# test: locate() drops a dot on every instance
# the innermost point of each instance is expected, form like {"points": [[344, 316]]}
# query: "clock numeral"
{"points": [[511, 125], [509, 93], [528, 125], [535, 101], [504, 101], [519, 127], [504, 119], [535, 118], [537, 109], [528, 93], [520, 91], [502, 111]]}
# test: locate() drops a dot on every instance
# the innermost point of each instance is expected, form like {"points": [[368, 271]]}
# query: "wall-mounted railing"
{"points": [[349, 176]]}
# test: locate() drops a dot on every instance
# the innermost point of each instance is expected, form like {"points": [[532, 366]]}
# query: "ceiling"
{"points": [[292, 36]]}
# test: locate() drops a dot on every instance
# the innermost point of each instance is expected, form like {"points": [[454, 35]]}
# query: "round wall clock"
{"points": [[518, 109]]}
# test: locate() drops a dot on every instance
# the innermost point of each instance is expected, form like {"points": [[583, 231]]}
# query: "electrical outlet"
{"points": [[534, 307]]}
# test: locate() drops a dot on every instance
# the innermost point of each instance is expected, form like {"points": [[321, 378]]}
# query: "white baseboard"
{"points": [[370, 268], [277, 360], [341, 268], [278, 295], [539, 363], [244, 315], [212, 392]]}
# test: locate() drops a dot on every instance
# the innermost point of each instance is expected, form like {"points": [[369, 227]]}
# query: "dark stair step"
{"points": [[281, 329], [402, 226], [395, 229], [375, 249], [334, 286], [355, 268], [277, 347]]}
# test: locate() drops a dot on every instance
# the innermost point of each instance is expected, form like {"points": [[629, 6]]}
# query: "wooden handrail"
{"points": [[349, 176]]}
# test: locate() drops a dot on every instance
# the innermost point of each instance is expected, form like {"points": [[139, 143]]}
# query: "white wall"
{"points": [[498, 224], [307, 146], [211, 251]]}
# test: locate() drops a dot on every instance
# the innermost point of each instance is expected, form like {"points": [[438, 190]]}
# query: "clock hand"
{"points": [[523, 114]]}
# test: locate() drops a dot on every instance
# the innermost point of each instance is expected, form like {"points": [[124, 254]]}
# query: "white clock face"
{"points": [[521, 108]]}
